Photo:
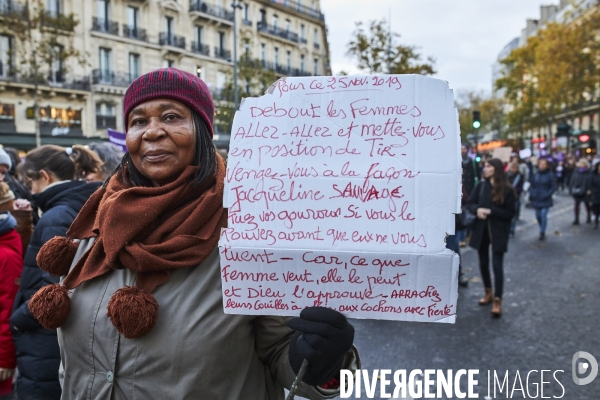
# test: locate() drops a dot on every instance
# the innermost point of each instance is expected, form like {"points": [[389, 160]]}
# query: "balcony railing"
{"points": [[281, 69], [223, 54], [106, 121], [273, 30], [134, 33], [215, 11], [11, 8], [301, 8], [247, 22], [111, 78], [105, 25], [168, 39], [303, 40], [200, 48], [57, 79], [317, 45]]}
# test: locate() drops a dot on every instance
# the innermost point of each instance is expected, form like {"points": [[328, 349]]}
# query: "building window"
{"points": [[200, 72], [302, 32], [302, 63], [105, 65], [53, 7], [169, 27], [105, 116], [56, 66], [221, 42], [168, 63], [275, 21], [298, 5], [103, 10], [288, 24], [276, 56], [263, 53], [247, 12], [288, 60], [132, 18], [134, 66], [316, 67], [316, 37], [198, 34], [5, 51], [247, 49], [263, 16]]}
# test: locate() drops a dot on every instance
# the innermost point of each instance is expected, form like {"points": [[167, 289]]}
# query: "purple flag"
{"points": [[117, 138]]}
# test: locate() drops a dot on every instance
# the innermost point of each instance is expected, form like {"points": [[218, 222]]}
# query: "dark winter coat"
{"points": [[542, 187], [581, 179], [595, 187], [38, 355], [498, 222], [470, 174]]}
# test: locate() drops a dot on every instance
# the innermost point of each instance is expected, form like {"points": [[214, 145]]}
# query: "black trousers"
{"points": [[484, 265]]}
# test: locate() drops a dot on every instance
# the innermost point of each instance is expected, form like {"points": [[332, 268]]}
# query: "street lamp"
{"points": [[235, 5]]}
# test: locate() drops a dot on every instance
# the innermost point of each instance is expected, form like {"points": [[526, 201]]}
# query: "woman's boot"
{"points": [[497, 307], [487, 299]]}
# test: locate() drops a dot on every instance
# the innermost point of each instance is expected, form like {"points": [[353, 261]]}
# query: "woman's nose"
{"points": [[155, 130]]}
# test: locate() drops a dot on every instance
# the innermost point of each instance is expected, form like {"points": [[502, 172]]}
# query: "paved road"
{"points": [[551, 311]]}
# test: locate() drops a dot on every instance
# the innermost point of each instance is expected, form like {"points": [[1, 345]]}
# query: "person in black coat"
{"points": [[541, 190], [595, 193], [579, 188], [516, 179], [50, 171], [494, 202]]}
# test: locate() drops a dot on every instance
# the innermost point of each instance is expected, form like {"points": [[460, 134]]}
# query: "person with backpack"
{"points": [[51, 172], [595, 193], [517, 180]]}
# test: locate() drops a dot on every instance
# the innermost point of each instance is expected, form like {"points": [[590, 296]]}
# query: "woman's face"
{"points": [[542, 165], [488, 170], [161, 139]]}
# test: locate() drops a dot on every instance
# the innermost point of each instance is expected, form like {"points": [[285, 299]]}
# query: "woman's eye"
{"points": [[170, 117], [137, 121]]}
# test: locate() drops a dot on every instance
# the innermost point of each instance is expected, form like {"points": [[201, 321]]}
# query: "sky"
{"points": [[464, 36]]}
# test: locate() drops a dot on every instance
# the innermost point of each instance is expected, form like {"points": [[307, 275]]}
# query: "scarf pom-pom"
{"points": [[55, 257], [132, 312], [51, 305]]}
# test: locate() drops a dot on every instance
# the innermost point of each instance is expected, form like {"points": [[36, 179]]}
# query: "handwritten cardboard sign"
{"points": [[341, 191]]}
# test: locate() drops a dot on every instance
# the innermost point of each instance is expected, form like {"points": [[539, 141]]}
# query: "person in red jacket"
{"points": [[11, 265]]}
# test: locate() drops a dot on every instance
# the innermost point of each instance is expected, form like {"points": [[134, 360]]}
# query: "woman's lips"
{"points": [[156, 156]]}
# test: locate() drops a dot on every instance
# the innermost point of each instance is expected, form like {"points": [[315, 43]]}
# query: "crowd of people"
{"points": [[103, 253], [495, 192]]}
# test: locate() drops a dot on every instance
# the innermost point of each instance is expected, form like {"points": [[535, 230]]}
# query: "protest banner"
{"points": [[502, 153], [341, 191], [118, 138]]}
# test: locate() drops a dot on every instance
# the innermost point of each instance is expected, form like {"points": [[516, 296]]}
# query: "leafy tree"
{"points": [[493, 118], [378, 51], [253, 80], [41, 40]]}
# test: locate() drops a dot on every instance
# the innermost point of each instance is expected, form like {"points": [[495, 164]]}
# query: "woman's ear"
{"points": [[47, 177]]}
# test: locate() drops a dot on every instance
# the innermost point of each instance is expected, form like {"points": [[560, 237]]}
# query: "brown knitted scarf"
{"points": [[150, 230]]}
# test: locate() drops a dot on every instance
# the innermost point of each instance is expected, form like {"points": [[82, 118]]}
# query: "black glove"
{"points": [[323, 337]]}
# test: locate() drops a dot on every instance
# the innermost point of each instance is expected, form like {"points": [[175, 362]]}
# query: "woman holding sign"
{"points": [[140, 310], [494, 202]]}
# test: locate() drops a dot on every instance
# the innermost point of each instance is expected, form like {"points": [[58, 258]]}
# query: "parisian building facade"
{"points": [[123, 39]]}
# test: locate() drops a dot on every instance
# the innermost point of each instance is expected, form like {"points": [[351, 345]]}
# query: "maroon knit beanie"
{"points": [[175, 84]]}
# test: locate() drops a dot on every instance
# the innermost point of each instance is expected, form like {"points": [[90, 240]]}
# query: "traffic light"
{"points": [[586, 142], [476, 119]]}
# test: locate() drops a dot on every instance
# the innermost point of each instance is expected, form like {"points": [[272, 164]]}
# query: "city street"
{"points": [[550, 312]]}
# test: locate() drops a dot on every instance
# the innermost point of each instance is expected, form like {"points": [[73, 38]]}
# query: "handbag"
{"points": [[577, 191]]}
